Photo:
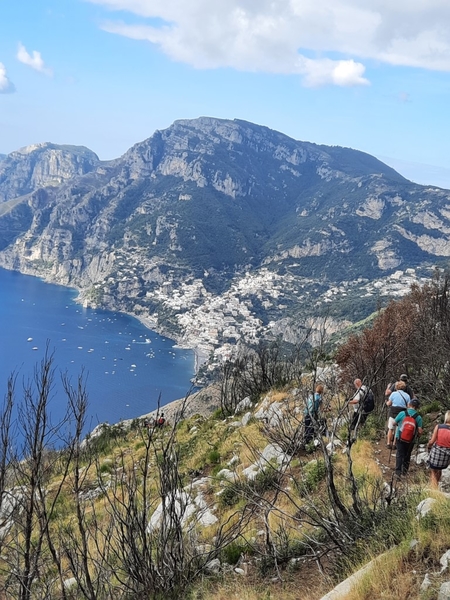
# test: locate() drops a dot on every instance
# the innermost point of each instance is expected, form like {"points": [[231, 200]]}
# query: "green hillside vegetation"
{"points": [[233, 505]]}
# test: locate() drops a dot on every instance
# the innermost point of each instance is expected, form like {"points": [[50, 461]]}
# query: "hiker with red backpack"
{"points": [[409, 424]]}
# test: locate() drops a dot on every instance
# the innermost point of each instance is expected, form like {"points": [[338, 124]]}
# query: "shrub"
{"points": [[107, 466], [265, 480], [314, 473], [102, 444], [232, 552], [431, 407], [229, 496], [213, 457]]}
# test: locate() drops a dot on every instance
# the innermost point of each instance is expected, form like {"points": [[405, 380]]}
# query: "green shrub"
{"points": [[217, 415], [230, 496], [265, 480], [232, 553], [107, 466], [371, 428], [314, 472], [431, 407], [213, 457], [103, 443]]}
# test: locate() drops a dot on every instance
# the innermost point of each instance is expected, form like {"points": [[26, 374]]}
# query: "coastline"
{"points": [[200, 355]]}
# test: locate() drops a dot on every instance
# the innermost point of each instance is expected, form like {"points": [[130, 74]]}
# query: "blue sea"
{"points": [[126, 366]]}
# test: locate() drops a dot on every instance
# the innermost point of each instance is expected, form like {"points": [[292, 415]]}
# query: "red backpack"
{"points": [[408, 428]]}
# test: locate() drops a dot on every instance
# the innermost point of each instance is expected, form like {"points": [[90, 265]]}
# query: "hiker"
{"points": [[363, 404], [439, 447], [391, 387], [409, 425], [160, 421], [311, 412], [397, 402]]}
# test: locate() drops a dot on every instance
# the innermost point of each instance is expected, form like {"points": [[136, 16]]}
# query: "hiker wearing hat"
{"points": [[397, 403], [409, 424], [391, 387]]}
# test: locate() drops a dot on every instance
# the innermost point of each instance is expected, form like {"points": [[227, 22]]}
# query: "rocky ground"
{"points": [[204, 403]]}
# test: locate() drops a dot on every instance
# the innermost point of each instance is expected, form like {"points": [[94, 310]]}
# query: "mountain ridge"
{"points": [[221, 218]]}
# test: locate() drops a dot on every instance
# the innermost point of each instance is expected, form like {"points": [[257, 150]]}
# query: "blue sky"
{"points": [[372, 75]]}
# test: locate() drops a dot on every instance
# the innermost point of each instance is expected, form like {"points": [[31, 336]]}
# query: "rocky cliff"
{"points": [[215, 229]]}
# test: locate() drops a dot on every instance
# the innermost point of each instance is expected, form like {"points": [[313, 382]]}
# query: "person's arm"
{"points": [[419, 424], [356, 398], [389, 390], [433, 437], [399, 418]]}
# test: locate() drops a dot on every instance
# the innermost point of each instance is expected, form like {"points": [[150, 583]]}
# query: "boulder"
{"points": [[246, 418], [213, 566], [227, 474], [444, 561], [444, 591], [244, 404], [425, 583], [424, 507]]}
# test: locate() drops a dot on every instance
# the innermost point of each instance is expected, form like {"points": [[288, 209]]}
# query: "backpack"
{"points": [[312, 405], [369, 402], [408, 428]]}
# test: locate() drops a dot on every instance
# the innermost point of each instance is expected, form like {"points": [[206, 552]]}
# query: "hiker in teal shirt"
{"points": [[311, 413], [405, 448]]}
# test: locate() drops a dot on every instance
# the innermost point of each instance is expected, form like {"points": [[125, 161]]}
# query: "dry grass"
{"points": [[296, 586], [393, 576], [364, 460]]}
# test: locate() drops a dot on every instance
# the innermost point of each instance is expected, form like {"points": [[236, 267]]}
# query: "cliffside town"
{"points": [[216, 232]]}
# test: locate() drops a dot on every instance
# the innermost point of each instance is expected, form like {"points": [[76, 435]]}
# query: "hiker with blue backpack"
{"points": [[409, 425]]}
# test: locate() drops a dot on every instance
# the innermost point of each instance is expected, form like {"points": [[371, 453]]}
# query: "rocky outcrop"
{"points": [[187, 222], [42, 165]]}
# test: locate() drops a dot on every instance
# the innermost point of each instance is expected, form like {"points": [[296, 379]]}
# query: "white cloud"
{"points": [[345, 73], [6, 85], [322, 40], [33, 60]]}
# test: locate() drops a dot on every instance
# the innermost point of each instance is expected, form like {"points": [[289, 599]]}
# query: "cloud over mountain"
{"points": [[324, 41]]}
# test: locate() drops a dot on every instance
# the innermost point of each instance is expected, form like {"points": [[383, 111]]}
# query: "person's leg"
{"points": [[407, 458], [354, 422], [391, 430], [309, 429], [435, 476], [400, 458]]}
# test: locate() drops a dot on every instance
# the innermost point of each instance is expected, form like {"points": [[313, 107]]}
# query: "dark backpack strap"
{"points": [[406, 404]]}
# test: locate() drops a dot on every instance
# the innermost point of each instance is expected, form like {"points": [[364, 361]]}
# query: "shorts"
{"points": [[391, 423], [439, 458], [394, 411]]}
